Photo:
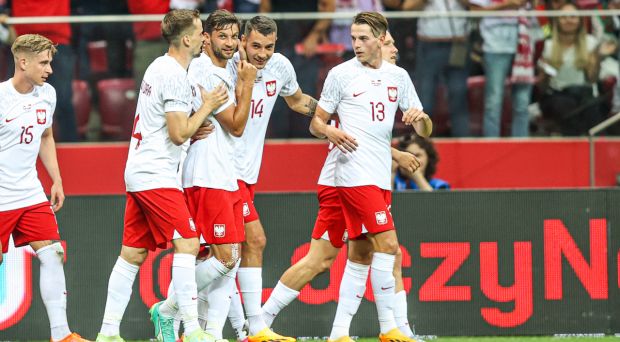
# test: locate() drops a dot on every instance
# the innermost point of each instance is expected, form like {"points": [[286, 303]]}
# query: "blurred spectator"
{"points": [[310, 34], [246, 6], [149, 44], [570, 67], [7, 32], [64, 63], [544, 22], [422, 179], [507, 47], [340, 30], [7, 36], [441, 55]]}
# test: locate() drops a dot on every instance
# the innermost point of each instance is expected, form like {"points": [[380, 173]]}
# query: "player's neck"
{"points": [[182, 57], [21, 84], [218, 62], [373, 63]]}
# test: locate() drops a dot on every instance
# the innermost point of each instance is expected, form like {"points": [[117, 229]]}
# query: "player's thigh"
{"points": [[366, 209], [330, 222], [384, 242], [227, 253], [322, 253], [8, 222], [255, 234], [167, 215]]}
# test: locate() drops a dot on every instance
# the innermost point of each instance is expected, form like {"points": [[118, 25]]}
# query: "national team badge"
{"points": [[381, 217], [219, 230], [246, 209], [271, 87], [392, 94], [41, 116]]}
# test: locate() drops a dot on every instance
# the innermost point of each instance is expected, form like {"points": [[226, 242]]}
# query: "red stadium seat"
{"points": [[98, 56], [117, 106], [81, 104]]}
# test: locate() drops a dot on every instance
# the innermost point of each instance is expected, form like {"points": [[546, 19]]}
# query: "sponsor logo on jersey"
{"points": [[392, 94], [41, 116], [271, 87], [219, 230], [381, 217]]}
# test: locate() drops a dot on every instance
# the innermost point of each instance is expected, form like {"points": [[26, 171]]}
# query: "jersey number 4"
{"points": [[135, 133], [257, 108]]}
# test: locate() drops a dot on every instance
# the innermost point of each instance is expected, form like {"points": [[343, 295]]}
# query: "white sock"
{"points": [[203, 306], [281, 296], [184, 280], [219, 296], [53, 289], [352, 288], [400, 313], [251, 285], [383, 282], [236, 316], [120, 286], [206, 272]]}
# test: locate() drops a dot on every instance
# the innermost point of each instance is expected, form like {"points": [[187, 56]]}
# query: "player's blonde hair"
{"points": [[32, 44], [176, 23], [377, 22]]}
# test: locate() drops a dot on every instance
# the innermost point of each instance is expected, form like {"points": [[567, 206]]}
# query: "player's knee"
{"points": [[361, 258], [326, 264], [256, 243], [389, 246], [135, 257], [230, 257]]}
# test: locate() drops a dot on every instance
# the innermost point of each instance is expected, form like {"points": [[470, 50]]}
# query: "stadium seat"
{"points": [[98, 56], [117, 106], [82, 105]]}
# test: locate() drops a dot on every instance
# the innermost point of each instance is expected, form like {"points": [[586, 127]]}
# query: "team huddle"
{"points": [[194, 160]]}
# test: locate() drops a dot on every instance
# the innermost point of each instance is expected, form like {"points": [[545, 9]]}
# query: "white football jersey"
{"points": [[328, 172], [23, 119], [276, 78], [153, 159], [210, 161], [366, 101]]}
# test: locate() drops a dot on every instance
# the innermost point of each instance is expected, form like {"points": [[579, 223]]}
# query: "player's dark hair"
{"points": [[219, 20], [377, 22], [428, 146], [176, 23], [261, 24]]}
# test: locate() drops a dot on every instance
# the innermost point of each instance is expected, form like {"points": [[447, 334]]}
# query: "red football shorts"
{"points": [[366, 209], [153, 216], [33, 223], [330, 222], [247, 195], [218, 214]]}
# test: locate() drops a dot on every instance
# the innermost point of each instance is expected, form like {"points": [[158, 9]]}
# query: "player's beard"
{"points": [[219, 53]]}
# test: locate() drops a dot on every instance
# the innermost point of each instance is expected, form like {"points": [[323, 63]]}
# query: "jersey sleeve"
{"points": [[289, 77], [331, 94], [53, 100], [410, 98], [175, 94]]}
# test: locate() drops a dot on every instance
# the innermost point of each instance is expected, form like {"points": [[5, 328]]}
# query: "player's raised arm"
{"points": [[47, 153], [420, 121], [181, 128], [302, 103], [234, 118]]}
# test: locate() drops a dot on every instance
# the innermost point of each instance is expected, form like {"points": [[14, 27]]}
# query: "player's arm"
{"points": [[47, 153], [234, 118], [301, 103], [320, 129], [420, 121], [181, 128], [405, 160]]}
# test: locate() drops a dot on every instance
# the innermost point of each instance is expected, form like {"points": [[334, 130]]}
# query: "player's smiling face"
{"points": [[224, 41], [259, 47], [366, 46], [389, 52], [37, 67]]}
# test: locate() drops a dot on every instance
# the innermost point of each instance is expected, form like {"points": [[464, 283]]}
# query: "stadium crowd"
{"points": [[486, 77]]}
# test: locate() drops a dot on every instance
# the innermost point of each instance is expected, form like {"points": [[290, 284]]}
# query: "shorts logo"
{"points": [[392, 94], [271, 87], [41, 116], [246, 209], [381, 217], [219, 230], [192, 226]]}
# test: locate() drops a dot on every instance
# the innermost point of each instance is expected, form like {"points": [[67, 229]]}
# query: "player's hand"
{"points": [[407, 161], [214, 98], [412, 115], [340, 139], [246, 72], [57, 196], [3, 19], [204, 130]]}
